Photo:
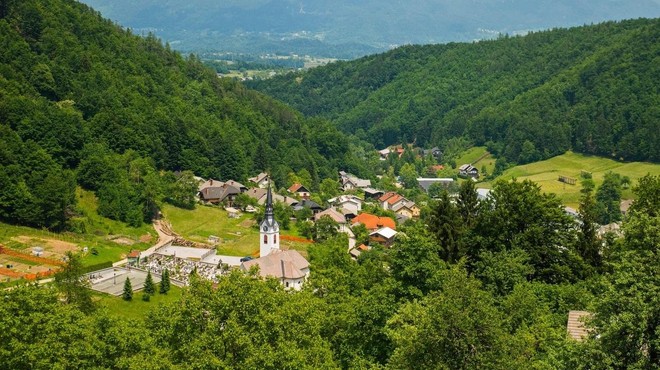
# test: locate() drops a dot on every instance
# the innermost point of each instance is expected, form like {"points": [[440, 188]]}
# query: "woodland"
{"points": [[472, 284], [592, 89], [85, 102]]}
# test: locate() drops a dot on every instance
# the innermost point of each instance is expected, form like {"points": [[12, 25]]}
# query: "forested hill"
{"points": [[593, 89], [76, 89]]}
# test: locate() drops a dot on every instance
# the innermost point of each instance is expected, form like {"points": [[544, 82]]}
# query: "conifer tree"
{"points": [[128, 290], [149, 287], [165, 282]]}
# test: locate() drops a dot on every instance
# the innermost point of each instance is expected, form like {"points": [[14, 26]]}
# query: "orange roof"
{"points": [[394, 199], [363, 247], [294, 188], [438, 167], [372, 222], [386, 196], [134, 254]]}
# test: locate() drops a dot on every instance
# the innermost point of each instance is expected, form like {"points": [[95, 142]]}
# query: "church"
{"points": [[289, 267]]}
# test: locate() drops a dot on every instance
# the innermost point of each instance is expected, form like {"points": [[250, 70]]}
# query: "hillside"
{"points": [[345, 28], [77, 90], [593, 89]]}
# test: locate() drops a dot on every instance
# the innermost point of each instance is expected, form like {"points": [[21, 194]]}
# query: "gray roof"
{"points": [[426, 182], [281, 265]]}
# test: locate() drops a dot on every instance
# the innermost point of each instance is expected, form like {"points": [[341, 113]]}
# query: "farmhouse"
{"points": [[349, 202], [305, 203], [260, 195], [261, 180], [468, 171], [372, 222], [218, 194], [350, 182], [300, 190], [384, 236]]}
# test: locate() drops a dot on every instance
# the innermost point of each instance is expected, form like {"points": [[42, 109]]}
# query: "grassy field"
{"points": [[110, 238], [137, 308], [237, 235], [474, 156], [546, 173]]}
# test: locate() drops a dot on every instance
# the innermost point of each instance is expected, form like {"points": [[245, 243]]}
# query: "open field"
{"points": [[546, 174], [479, 157], [237, 236]]}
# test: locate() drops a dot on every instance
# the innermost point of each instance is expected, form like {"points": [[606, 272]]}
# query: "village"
{"points": [[358, 208]]}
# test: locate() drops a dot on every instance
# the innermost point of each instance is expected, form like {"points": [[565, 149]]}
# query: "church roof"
{"points": [[281, 265]]}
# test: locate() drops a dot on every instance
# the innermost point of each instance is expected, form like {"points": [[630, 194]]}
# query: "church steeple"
{"points": [[269, 228]]}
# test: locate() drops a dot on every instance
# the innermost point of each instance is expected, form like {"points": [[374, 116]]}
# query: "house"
{"points": [[348, 202], [383, 154], [406, 208], [357, 251], [384, 236], [390, 199], [435, 152], [350, 182], [309, 204], [373, 222], [210, 183], [300, 190], [133, 257], [468, 171], [426, 182], [242, 188], [372, 193], [219, 194], [575, 327], [261, 180], [260, 195], [289, 267], [335, 216]]}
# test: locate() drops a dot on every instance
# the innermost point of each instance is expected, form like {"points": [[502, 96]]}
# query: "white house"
{"points": [[261, 180], [348, 202]]}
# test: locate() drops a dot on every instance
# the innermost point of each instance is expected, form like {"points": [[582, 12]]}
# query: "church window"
{"points": [[265, 239], [275, 239]]}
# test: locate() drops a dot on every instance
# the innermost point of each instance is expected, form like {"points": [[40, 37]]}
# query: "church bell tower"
{"points": [[269, 229]]}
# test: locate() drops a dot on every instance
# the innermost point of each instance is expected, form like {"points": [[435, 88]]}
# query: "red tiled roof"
{"points": [[372, 222], [134, 254], [386, 196]]}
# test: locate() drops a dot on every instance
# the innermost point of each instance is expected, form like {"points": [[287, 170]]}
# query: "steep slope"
{"points": [[72, 84], [346, 28], [593, 89]]}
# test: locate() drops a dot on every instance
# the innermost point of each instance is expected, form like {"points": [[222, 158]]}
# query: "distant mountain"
{"points": [[348, 28], [593, 89]]}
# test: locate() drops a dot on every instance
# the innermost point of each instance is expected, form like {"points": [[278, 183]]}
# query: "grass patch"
{"points": [[137, 308], [237, 236], [479, 157], [96, 234], [546, 173]]}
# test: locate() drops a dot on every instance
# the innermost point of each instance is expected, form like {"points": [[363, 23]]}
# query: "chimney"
{"points": [[282, 264], [211, 182]]}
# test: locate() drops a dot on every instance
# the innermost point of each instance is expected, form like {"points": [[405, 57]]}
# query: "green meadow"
{"points": [[546, 174], [238, 236]]}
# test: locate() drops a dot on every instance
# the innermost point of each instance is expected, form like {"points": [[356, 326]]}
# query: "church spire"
{"points": [[269, 229], [269, 215]]}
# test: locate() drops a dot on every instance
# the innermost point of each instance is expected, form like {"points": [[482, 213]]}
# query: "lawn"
{"points": [[479, 157], [546, 173], [112, 239], [237, 235], [136, 308]]}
